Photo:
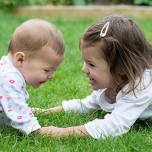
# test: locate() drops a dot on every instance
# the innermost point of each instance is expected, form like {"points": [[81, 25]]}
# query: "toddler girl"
{"points": [[117, 61]]}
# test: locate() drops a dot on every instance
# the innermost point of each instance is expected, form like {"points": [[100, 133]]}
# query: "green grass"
{"points": [[69, 82]]}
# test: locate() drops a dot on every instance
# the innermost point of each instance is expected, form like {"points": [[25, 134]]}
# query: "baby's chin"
{"points": [[37, 85]]}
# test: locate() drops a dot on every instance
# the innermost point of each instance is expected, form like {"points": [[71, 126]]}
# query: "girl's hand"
{"points": [[63, 132], [38, 110], [47, 111]]}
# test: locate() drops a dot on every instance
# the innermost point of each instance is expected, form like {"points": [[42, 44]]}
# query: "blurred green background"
{"points": [[12, 4]]}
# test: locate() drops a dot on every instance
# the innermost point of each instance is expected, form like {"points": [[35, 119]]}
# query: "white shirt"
{"points": [[14, 110], [123, 113]]}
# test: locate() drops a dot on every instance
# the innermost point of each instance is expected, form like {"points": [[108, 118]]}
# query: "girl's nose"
{"points": [[85, 69]]}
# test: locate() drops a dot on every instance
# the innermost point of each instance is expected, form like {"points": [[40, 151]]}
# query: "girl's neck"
{"points": [[111, 95]]}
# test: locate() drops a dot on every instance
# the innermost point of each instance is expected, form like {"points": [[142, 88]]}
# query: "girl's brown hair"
{"points": [[126, 50]]}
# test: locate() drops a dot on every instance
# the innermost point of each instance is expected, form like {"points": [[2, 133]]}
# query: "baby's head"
{"points": [[118, 52], [36, 49]]}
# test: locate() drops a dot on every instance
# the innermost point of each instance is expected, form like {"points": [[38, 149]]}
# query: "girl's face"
{"points": [[96, 67], [41, 68]]}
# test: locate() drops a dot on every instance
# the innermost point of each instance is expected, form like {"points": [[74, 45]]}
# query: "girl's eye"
{"points": [[92, 65]]}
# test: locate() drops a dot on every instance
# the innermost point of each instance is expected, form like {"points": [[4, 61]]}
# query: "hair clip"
{"points": [[104, 30]]}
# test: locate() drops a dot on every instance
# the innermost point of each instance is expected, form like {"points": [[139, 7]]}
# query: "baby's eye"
{"points": [[46, 70]]}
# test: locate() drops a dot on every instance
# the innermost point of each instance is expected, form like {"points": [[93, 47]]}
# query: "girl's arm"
{"points": [[63, 132], [56, 109], [85, 105]]}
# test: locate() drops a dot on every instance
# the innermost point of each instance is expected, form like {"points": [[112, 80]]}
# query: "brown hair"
{"points": [[34, 34], [126, 50]]}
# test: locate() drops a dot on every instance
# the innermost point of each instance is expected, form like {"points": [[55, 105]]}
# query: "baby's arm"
{"points": [[14, 106]]}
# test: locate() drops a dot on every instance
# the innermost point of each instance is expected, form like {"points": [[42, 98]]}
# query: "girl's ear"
{"points": [[19, 58]]}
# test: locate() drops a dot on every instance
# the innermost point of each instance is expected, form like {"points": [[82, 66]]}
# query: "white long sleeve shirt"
{"points": [[14, 110], [123, 113]]}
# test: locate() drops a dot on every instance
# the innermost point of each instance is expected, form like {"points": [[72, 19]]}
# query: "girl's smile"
{"points": [[95, 66]]}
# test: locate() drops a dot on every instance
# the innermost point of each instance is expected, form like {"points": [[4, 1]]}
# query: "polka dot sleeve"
{"points": [[13, 102]]}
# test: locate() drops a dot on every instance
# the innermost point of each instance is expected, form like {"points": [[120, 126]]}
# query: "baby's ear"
{"points": [[19, 58]]}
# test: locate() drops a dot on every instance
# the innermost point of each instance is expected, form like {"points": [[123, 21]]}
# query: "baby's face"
{"points": [[41, 68]]}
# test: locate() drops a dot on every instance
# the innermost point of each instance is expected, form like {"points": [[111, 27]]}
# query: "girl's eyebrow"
{"points": [[89, 60]]}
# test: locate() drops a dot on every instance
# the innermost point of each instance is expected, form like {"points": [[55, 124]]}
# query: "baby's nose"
{"points": [[50, 77]]}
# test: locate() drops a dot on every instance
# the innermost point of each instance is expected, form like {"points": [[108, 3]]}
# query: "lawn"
{"points": [[69, 82]]}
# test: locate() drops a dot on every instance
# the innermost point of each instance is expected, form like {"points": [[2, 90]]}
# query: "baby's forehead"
{"points": [[33, 34], [36, 24], [35, 29]]}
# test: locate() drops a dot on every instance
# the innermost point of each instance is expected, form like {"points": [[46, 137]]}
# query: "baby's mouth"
{"points": [[42, 82]]}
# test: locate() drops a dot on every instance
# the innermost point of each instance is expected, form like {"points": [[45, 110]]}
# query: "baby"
{"points": [[35, 51]]}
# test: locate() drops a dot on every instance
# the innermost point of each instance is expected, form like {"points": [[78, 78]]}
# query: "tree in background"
{"points": [[143, 2], [12, 4]]}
